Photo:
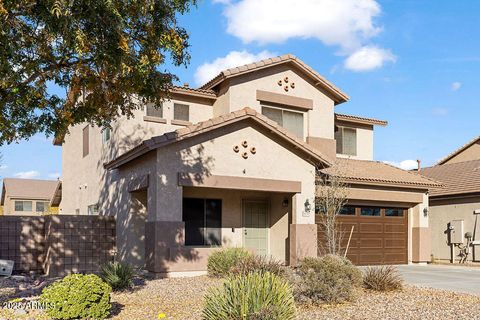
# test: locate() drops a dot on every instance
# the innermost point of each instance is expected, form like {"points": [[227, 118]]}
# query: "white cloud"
{"points": [[3, 167], [369, 58], [27, 174], [209, 70], [456, 85], [405, 164], [54, 175]]}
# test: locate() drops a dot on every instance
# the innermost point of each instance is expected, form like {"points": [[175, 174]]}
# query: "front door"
{"points": [[255, 226]]}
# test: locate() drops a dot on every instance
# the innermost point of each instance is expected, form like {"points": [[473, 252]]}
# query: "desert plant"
{"points": [[221, 262], [118, 275], [253, 296], [385, 278], [256, 263], [78, 296], [330, 279]]}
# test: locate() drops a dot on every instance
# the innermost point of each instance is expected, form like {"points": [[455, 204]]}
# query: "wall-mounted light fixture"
{"points": [[285, 202], [425, 212]]}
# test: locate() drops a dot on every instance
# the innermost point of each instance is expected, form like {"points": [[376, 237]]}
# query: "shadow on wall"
{"points": [[131, 206]]}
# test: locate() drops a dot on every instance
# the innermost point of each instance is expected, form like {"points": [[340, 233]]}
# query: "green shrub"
{"points": [[118, 275], [385, 278], [221, 262], [253, 296], [78, 296], [255, 263], [329, 279]]}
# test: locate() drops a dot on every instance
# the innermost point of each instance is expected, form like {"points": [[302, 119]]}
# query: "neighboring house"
{"points": [[30, 196], [458, 200], [233, 163]]}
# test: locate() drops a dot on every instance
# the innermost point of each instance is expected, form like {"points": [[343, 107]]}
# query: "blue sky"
{"points": [[413, 63]]}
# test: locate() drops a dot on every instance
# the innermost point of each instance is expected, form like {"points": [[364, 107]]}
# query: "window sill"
{"points": [[154, 119], [180, 123]]}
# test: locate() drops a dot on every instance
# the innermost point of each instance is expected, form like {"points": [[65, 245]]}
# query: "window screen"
{"points": [[346, 139], [86, 141], [292, 121], [181, 112], [23, 205], [203, 221], [41, 206], [155, 111], [92, 210], [105, 134]]}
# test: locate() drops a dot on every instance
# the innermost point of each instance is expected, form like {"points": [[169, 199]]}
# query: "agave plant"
{"points": [[118, 275]]}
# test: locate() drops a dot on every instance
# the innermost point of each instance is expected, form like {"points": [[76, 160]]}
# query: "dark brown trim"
{"points": [[239, 183], [283, 99]]}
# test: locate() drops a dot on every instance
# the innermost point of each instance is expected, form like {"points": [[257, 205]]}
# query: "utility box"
{"points": [[6, 267], [455, 228]]}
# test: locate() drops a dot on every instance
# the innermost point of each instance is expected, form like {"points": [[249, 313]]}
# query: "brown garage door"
{"points": [[380, 235]]}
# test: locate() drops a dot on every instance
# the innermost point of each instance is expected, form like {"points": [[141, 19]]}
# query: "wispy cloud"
{"points": [[27, 174], [3, 167], [405, 164], [455, 86], [440, 112]]}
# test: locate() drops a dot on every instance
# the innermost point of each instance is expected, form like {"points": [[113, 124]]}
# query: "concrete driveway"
{"points": [[453, 278]]}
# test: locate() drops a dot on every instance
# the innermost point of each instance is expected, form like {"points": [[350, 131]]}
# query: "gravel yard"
{"points": [[182, 298]]}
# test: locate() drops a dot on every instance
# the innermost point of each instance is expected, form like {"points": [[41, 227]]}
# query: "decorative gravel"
{"points": [[182, 298]]}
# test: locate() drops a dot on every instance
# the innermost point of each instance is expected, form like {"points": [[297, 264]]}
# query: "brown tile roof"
{"points": [[28, 188], [337, 94], [454, 153], [357, 119], [209, 94], [458, 178], [377, 173], [312, 155]]}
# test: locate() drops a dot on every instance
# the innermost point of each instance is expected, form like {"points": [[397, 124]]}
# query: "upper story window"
{"points": [[23, 206], [106, 132], [346, 140], [155, 111], [41, 206], [181, 112], [92, 209], [86, 138], [292, 121]]}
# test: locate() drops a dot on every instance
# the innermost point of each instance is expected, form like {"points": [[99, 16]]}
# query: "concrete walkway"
{"points": [[453, 278]]}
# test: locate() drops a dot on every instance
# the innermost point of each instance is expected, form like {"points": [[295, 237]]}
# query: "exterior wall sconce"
{"points": [[285, 202], [425, 212], [308, 206]]}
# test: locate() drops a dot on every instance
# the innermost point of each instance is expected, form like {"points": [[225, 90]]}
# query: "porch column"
{"points": [[303, 230]]}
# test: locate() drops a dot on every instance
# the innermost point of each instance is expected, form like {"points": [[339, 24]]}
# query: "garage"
{"points": [[380, 234]]}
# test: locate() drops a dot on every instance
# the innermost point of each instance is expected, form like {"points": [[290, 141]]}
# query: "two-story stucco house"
{"points": [[233, 163]]}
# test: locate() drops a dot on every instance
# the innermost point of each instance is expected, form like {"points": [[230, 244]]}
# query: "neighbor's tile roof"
{"points": [[28, 188], [209, 94], [339, 95], [454, 153], [212, 124], [458, 178], [377, 173], [357, 119]]}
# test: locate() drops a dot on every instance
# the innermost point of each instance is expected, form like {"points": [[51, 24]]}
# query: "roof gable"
{"points": [[247, 114], [337, 95], [460, 150], [28, 188]]}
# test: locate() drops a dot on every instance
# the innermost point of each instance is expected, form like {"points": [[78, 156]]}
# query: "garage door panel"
{"points": [[371, 227], [376, 243], [394, 228], [398, 243], [370, 258]]}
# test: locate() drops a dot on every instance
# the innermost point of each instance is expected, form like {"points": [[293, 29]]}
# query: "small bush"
{"points": [[78, 296], [385, 278], [255, 296], [330, 279], [221, 262], [118, 275], [261, 264]]}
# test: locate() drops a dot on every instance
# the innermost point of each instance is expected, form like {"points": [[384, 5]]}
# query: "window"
{"points": [[92, 210], [347, 211], [155, 111], [374, 212], [77, 211], [394, 212], [181, 112], [41, 206], [203, 221], [292, 121], [85, 141], [23, 206], [105, 135], [346, 141]]}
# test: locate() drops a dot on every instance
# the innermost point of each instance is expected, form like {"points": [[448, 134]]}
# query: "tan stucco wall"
{"points": [[442, 212], [471, 153]]}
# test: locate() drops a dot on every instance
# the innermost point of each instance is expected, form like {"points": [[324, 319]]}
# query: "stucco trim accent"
{"points": [[154, 119], [138, 183], [384, 195], [283, 99], [238, 183], [180, 122]]}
